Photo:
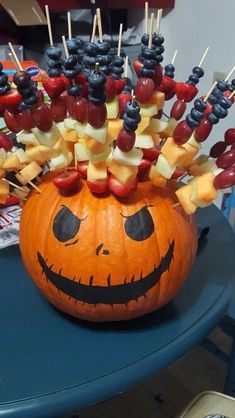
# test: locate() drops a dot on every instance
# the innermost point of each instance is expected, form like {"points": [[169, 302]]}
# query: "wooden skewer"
{"points": [[49, 25], [176, 204], [19, 197], [13, 184], [65, 46], [209, 92], [159, 16], [97, 67], [69, 25], [232, 94], [119, 40], [99, 25], [126, 66], [34, 186], [146, 12], [151, 30], [204, 56], [174, 57], [94, 29], [17, 62], [230, 73]]}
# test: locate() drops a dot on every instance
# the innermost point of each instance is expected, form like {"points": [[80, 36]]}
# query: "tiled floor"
{"points": [[166, 394]]}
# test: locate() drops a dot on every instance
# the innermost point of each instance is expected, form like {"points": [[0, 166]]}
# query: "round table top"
{"points": [[52, 365]]}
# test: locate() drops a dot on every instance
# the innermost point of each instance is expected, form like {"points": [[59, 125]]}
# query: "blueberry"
{"points": [[219, 111], [103, 48], [127, 89], [54, 52], [96, 80], [70, 62], [117, 70], [97, 92], [73, 45], [212, 118], [97, 100], [191, 122], [217, 93], [194, 78], [190, 83], [233, 83], [212, 99], [3, 79], [157, 39], [103, 59], [225, 102], [130, 127], [148, 53], [159, 50], [21, 78], [196, 114], [105, 69], [169, 68], [71, 73], [130, 122], [31, 100], [88, 60], [146, 72], [118, 61], [171, 75], [145, 39], [149, 64], [198, 71], [28, 90], [86, 71], [74, 90], [132, 111], [91, 49], [159, 58], [4, 89], [54, 72], [200, 105], [128, 81], [222, 85], [54, 63]]}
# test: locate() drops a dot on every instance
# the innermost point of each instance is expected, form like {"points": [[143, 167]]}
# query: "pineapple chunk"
{"points": [[80, 152], [26, 138], [173, 152], [114, 127], [156, 178], [96, 171], [39, 153], [123, 173], [102, 156], [112, 109], [184, 194], [132, 157], [144, 123], [47, 138], [79, 128], [157, 125], [164, 168], [29, 172], [158, 98], [144, 141], [148, 109], [12, 163], [4, 188], [70, 135], [98, 134]]}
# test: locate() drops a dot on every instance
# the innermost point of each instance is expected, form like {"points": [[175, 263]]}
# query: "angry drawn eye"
{"points": [[65, 225], [139, 226]]}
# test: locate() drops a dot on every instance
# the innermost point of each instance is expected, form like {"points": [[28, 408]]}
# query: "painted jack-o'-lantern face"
{"points": [[106, 259]]}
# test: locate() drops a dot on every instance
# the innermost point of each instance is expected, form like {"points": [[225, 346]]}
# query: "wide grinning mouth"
{"points": [[110, 294]]}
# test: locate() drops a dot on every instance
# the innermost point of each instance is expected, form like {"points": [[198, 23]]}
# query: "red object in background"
{"points": [[58, 5]]}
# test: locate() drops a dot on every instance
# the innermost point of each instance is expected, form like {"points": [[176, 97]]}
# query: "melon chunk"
{"points": [[80, 152], [155, 137], [96, 171], [94, 146], [123, 173], [158, 98], [184, 194], [60, 161], [69, 123], [28, 173], [157, 179], [112, 109], [170, 127], [79, 128], [173, 152], [102, 156], [204, 190], [60, 126], [157, 125], [144, 141], [144, 123], [60, 146], [114, 127], [192, 141], [191, 152], [164, 168], [21, 155], [148, 109], [98, 134], [47, 138], [70, 135], [12, 163], [132, 157], [27, 138], [37, 153]]}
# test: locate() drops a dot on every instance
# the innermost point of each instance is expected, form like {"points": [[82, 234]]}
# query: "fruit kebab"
{"points": [[168, 83]]}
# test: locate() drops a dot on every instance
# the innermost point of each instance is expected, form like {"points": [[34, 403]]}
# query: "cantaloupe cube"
{"points": [[204, 188], [144, 123], [156, 178], [12, 163], [123, 173], [114, 127], [148, 110], [158, 98], [102, 156], [2, 173], [184, 194], [163, 167], [173, 152], [94, 146], [30, 172], [170, 127], [4, 188], [70, 135], [33, 153], [191, 151], [96, 171]]}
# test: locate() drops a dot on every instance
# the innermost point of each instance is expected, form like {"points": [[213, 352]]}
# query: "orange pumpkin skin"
{"points": [[113, 281]]}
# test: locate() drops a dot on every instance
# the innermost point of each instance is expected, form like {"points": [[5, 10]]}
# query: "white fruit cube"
{"points": [[132, 157], [47, 138], [157, 179], [102, 156], [184, 194], [27, 138], [192, 141], [79, 128], [144, 123], [31, 171], [208, 166], [60, 126], [123, 173], [96, 171], [21, 155], [112, 109], [60, 161], [148, 109], [144, 141], [170, 127], [69, 123], [157, 125], [164, 168], [80, 152], [98, 134]]}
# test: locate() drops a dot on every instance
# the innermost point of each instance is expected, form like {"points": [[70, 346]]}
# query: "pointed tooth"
{"points": [[125, 280], [133, 278], [60, 271], [51, 266], [91, 280], [109, 280]]}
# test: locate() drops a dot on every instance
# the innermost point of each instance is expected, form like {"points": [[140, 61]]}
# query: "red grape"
{"points": [[67, 180], [110, 88], [159, 114], [25, 120], [80, 109], [58, 109], [217, 149], [70, 100], [96, 114], [144, 89], [42, 117], [182, 132], [229, 136], [202, 132], [225, 179], [157, 78], [5, 142], [11, 122], [126, 140], [178, 109], [227, 159]]}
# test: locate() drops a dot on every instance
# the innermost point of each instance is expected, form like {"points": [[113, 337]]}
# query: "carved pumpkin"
{"points": [[105, 259]]}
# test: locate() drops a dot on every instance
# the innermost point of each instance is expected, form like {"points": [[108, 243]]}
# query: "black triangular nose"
{"points": [[98, 249]]}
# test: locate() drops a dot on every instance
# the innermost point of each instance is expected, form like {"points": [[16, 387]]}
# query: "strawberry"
{"points": [[167, 86], [157, 78], [66, 81], [137, 66], [120, 84], [5, 142], [208, 109], [185, 92], [122, 190], [143, 169], [110, 88], [11, 100], [98, 186], [11, 122], [123, 98], [151, 153], [54, 86], [82, 168]]}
